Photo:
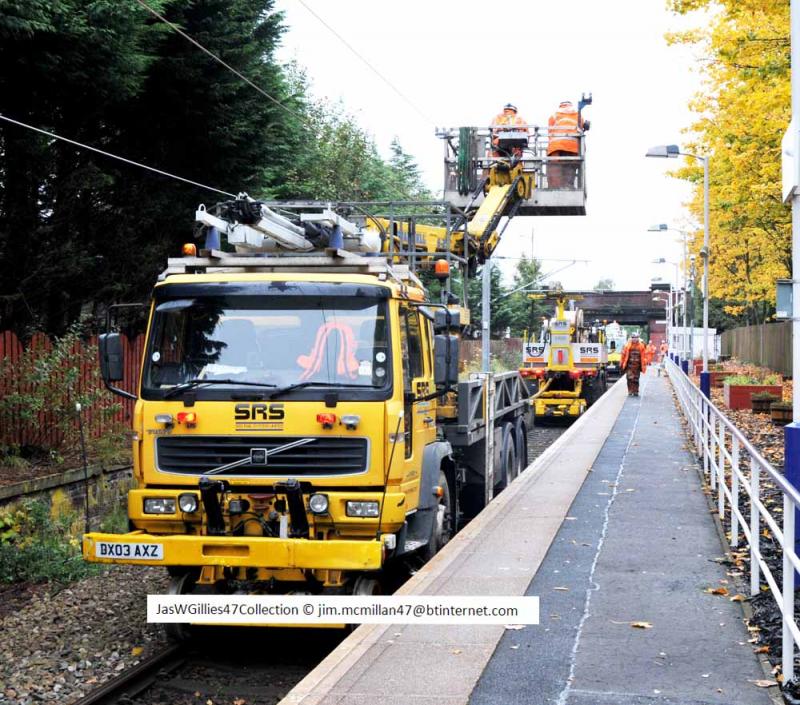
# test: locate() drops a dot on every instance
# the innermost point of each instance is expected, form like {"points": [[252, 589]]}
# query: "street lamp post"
{"points": [[663, 227], [667, 311], [678, 304], [672, 151]]}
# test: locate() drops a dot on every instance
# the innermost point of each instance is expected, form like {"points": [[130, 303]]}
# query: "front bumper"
{"points": [[242, 551]]}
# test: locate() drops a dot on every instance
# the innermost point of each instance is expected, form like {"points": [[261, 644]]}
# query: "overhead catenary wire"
{"points": [[383, 78], [230, 68], [220, 61], [75, 143]]}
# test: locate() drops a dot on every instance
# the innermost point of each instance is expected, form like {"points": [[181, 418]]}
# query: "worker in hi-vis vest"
{"points": [[563, 146], [507, 120], [633, 363]]}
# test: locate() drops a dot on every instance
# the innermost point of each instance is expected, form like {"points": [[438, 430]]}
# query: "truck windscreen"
{"points": [[238, 342]]}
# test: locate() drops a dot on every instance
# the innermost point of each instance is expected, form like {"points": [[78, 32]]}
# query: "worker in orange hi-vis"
{"points": [[651, 353], [633, 363], [564, 128], [503, 122], [662, 356]]}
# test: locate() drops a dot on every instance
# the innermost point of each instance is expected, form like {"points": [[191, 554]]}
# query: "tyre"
{"points": [[179, 584], [442, 525], [521, 445], [506, 469]]}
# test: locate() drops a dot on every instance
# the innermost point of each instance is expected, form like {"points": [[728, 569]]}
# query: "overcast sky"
{"points": [[459, 61]]}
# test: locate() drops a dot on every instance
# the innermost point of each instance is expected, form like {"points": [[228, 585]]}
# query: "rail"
{"points": [[720, 445]]}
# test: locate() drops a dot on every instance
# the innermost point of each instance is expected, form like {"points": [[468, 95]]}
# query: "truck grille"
{"points": [[196, 455]]}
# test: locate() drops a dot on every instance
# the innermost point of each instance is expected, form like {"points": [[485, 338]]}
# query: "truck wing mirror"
{"points": [[111, 357], [445, 319], [445, 360]]}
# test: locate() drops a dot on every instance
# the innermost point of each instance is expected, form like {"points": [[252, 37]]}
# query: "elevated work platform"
{"points": [[559, 181], [608, 527]]}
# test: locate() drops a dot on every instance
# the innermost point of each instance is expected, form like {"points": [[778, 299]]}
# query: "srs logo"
{"points": [[259, 412]]}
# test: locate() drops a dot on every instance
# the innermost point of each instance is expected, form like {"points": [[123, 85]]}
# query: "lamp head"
{"points": [[659, 227], [670, 151]]}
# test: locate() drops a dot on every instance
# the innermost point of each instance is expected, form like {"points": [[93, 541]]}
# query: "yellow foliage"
{"points": [[742, 112]]}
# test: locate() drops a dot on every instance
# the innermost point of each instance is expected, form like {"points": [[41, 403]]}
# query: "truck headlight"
{"points": [[188, 502], [318, 503], [159, 505], [362, 509]]}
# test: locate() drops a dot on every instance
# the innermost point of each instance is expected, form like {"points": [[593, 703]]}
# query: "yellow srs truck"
{"points": [[299, 423], [568, 365]]}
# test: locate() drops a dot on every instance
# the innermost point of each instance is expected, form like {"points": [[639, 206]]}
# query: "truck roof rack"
{"points": [[336, 261]]}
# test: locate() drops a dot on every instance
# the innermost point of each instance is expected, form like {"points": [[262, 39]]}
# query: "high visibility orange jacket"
{"points": [[563, 129], [651, 352], [626, 351], [508, 119]]}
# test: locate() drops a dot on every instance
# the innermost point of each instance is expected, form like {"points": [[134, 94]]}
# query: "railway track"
{"points": [[230, 666]]}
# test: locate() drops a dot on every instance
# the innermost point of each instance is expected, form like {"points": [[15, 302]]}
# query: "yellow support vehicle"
{"points": [[568, 364], [300, 424]]}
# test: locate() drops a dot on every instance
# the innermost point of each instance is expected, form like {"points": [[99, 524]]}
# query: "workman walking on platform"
{"points": [[503, 122], [662, 356], [633, 363], [651, 353], [563, 146]]}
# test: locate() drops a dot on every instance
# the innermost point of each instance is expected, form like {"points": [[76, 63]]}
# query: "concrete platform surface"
{"points": [[640, 550], [497, 553], [609, 527]]}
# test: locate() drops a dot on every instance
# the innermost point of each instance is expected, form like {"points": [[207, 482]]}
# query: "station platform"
{"points": [[611, 529]]}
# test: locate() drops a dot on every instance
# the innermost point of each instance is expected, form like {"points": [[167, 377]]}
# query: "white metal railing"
{"points": [[721, 445]]}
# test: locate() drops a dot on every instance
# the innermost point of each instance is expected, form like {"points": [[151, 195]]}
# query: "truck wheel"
{"points": [[366, 585], [507, 469], [442, 526], [179, 584], [521, 445]]}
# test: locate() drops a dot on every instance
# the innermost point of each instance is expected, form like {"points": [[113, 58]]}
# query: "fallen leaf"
{"points": [[763, 683], [738, 598], [137, 650], [642, 625], [716, 591], [456, 651], [761, 650], [239, 701]]}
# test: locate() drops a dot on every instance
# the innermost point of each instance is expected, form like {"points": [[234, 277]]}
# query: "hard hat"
{"points": [[510, 106], [565, 104], [634, 335]]}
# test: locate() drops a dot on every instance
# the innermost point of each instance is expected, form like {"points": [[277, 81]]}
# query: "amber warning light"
{"points": [[327, 420], [188, 418], [189, 249]]}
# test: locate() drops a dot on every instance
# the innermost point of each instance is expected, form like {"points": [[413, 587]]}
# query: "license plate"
{"points": [[134, 551]]}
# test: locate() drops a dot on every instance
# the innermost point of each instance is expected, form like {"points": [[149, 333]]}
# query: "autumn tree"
{"points": [[742, 112]]}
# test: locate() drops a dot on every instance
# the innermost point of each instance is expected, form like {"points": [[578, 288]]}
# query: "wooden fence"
{"points": [[507, 352], [45, 430], [768, 345]]}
